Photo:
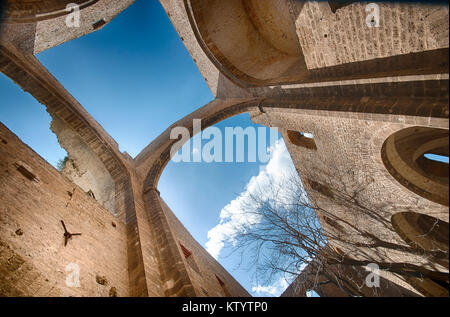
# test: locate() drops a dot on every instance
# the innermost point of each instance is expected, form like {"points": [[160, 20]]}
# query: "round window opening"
{"points": [[429, 234], [417, 158]]}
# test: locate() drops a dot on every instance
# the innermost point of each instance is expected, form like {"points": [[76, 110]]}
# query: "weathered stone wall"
{"points": [[33, 10], [83, 166], [363, 84], [334, 46], [350, 276], [344, 163], [33, 257], [330, 39], [201, 266], [35, 33]]}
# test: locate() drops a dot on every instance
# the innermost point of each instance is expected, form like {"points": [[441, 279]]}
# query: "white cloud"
{"points": [[263, 290], [231, 216], [271, 290]]}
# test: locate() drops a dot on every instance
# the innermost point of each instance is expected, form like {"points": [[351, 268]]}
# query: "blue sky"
{"points": [[136, 78]]}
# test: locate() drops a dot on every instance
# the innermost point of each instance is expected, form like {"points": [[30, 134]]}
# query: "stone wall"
{"points": [[83, 166], [202, 268], [33, 258], [333, 46], [33, 33], [343, 163], [330, 39], [361, 86]]}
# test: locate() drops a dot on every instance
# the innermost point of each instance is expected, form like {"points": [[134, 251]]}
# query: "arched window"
{"points": [[321, 188], [435, 165], [422, 231], [429, 234], [406, 155], [302, 139]]}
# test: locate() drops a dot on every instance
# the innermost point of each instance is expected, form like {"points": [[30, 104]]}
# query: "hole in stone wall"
{"points": [[190, 259], [186, 252], [333, 223], [26, 171], [225, 290], [97, 25], [113, 292], [101, 280], [321, 188], [302, 139], [212, 201]]}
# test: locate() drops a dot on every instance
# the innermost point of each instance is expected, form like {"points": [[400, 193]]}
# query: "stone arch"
{"points": [[252, 42], [268, 43], [403, 156], [17, 11], [421, 231], [76, 131], [429, 234], [151, 163], [214, 112]]}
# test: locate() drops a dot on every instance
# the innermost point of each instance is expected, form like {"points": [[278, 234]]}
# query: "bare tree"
{"points": [[292, 231]]}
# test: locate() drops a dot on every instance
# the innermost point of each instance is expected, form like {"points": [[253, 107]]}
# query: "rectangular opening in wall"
{"points": [[98, 24], [321, 188], [26, 171], [186, 252], [190, 259], [302, 139], [222, 284]]}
